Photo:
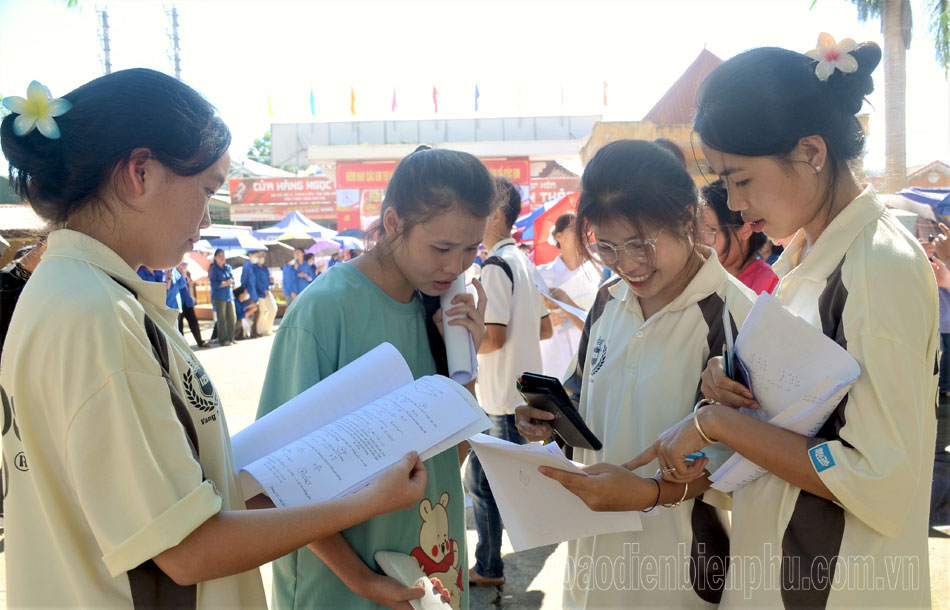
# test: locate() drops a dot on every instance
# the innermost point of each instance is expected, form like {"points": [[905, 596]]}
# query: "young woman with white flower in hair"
{"points": [[840, 519], [119, 482]]}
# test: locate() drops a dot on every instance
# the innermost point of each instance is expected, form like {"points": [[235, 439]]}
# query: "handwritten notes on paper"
{"points": [[796, 373], [538, 510]]}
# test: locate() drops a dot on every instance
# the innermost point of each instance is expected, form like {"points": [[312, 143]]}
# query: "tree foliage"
{"points": [[938, 23], [260, 150]]}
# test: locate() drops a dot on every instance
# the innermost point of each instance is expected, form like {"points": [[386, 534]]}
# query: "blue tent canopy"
{"points": [[238, 241], [295, 222]]}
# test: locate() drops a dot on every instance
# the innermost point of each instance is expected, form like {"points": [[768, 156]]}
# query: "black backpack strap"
{"points": [[500, 262], [430, 305]]}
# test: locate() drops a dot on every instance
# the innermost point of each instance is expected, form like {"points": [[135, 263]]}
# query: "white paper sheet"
{"points": [[459, 346], [543, 287], [371, 376], [537, 510], [428, 415], [796, 373]]}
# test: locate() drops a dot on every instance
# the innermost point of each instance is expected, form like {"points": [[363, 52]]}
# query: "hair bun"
{"points": [[852, 88]]}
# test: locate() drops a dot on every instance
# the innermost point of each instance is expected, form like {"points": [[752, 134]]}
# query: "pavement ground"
{"points": [[534, 577]]}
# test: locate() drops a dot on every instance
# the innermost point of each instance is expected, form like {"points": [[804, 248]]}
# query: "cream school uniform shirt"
{"points": [[636, 378], [868, 285], [100, 474]]}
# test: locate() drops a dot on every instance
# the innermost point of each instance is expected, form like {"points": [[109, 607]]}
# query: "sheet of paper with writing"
{"points": [[796, 373], [538, 510]]}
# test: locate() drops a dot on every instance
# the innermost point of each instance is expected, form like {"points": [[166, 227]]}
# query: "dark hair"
{"points": [[717, 199], [639, 182], [431, 181], [309, 256], [509, 199], [301, 250], [671, 146], [563, 221], [217, 252], [763, 101], [239, 291], [111, 116]]}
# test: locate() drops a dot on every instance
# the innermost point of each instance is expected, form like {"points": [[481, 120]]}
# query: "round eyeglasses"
{"points": [[637, 250]]}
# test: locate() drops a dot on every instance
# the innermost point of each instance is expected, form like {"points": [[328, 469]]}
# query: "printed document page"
{"points": [[427, 415]]}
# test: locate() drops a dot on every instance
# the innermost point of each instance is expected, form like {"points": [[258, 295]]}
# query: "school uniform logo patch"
{"points": [[821, 457], [199, 390], [598, 356]]}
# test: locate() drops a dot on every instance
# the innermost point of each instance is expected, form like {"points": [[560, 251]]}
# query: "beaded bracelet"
{"points": [[702, 403], [657, 501]]}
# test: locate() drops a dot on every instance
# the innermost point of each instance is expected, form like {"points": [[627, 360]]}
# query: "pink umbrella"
{"points": [[321, 245]]}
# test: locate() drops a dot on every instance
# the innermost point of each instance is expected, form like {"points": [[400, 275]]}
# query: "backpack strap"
{"points": [[500, 262]]}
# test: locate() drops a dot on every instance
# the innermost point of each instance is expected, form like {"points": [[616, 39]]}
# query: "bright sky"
{"points": [[521, 54]]}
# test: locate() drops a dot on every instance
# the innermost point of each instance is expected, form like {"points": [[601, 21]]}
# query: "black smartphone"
{"points": [[547, 393]]}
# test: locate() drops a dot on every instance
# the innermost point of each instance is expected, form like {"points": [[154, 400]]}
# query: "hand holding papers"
{"points": [[543, 287], [538, 510], [796, 373], [341, 433], [459, 346]]}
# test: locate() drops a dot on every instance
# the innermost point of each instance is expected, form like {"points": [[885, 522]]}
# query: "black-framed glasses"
{"points": [[638, 250]]}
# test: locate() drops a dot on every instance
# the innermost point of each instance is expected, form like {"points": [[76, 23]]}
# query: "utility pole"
{"points": [[104, 39], [173, 37]]}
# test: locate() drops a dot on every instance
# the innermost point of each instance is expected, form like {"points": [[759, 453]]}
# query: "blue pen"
{"points": [[694, 456]]}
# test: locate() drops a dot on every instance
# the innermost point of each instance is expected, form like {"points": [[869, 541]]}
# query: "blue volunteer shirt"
{"points": [[150, 276], [262, 280], [217, 275], [173, 290], [249, 280]]}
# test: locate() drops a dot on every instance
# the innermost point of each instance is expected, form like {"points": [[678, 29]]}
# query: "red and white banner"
{"points": [[307, 189], [544, 190]]}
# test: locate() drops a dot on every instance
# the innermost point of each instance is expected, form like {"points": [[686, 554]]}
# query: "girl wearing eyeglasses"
{"points": [[734, 241], [645, 343]]}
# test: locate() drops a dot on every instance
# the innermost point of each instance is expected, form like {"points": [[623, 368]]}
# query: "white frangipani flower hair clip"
{"points": [[36, 110], [830, 56]]}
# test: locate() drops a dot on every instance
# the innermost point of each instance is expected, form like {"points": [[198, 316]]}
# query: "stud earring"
{"points": [[817, 168]]}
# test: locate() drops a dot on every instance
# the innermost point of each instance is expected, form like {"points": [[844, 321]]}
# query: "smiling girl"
{"points": [[647, 339], [433, 218]]}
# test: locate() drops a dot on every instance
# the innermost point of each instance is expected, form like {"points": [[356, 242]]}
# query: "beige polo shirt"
{"points": [[101, 473], [635, 378], [868, 285]]}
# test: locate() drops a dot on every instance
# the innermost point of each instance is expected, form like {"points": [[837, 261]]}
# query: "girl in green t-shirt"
{"points": [[433, 219]]}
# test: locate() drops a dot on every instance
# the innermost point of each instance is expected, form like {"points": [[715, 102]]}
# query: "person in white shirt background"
{"points": [[577, 279]]}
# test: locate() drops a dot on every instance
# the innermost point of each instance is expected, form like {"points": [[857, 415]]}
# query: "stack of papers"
{"points": [[797, 375]]}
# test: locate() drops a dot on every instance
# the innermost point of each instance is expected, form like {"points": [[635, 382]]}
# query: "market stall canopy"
{"points": [[238, 241], [295, 222]]}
